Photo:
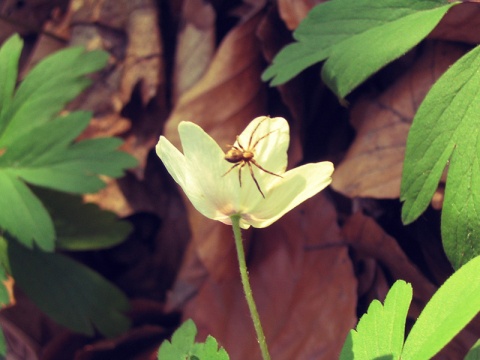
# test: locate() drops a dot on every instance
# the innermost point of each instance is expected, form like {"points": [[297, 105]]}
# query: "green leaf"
{"points": [[4, 295], [183, 340], [474, 353], [4, 262], [357, 37], [347, 349], [450, 309], [47, 158], [9, 57], [70, 293], [36, 144], [22, 215], [210, 350], [445, 132], [183, 346], [3, 345], [82, 226], [50, 85], [380, 332], [40, 147]]}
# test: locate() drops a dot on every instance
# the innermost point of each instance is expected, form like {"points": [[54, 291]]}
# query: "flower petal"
{"points": [[296, 186], [206, 163], [173, 160], [177, 165]]}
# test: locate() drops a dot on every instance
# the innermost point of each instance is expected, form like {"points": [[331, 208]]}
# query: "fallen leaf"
{"points": [[27, 329], [458, 23], [143, 54], [26, 17], [373, 164], [129, 32], [230, 94], [303, 285], [368, 239], [293, 12], [9, 283], [195, 45], [110, 198], [272, 39]]}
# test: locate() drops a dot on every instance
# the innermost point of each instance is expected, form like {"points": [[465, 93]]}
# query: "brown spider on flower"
{"points": [[240, 156]]}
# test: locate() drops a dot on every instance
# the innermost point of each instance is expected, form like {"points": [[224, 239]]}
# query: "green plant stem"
{"points": [[246, 287]]}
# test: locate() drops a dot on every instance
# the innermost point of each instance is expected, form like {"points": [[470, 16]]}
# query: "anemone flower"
{"points": [[249, 180]]}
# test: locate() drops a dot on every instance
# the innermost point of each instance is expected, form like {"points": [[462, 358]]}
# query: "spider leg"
{"points": [[233, 167], [255, 130], [239, 145], [260, 138], [240, 173], [231, 147], [254, 179], [261, 168]]}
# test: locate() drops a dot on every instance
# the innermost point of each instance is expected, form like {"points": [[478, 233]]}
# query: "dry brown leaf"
{"points": [[230, 94], [369, 240], [293, 11], [302, 283], [26, 329], [129, 32], [227, 97], [110, 198], [26, 17], [272, 40], [195, 45], [458, 23], [54, 37], [142, 59], [373, 164], [8, 284]]}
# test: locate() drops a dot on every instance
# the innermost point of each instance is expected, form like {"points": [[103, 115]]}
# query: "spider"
{"points": [[239, 157]]}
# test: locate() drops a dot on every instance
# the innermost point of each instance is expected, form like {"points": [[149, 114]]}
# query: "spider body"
{"points": [[234, 155], [240, 156]]}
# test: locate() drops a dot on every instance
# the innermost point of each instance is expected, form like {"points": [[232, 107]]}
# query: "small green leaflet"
{"points": [[47, 88], [446, 130], [449, 310], [183, 346], [380, 332], [4, 296], [474, 353], [3, 346], [70, 293], [36, 144], [23, 215], [357, 38]]}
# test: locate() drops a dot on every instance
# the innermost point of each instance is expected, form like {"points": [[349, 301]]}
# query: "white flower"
{"points": [[201, 172]]}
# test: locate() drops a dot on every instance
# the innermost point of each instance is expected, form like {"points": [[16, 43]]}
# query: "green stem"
{"points": [[246, 287]]}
